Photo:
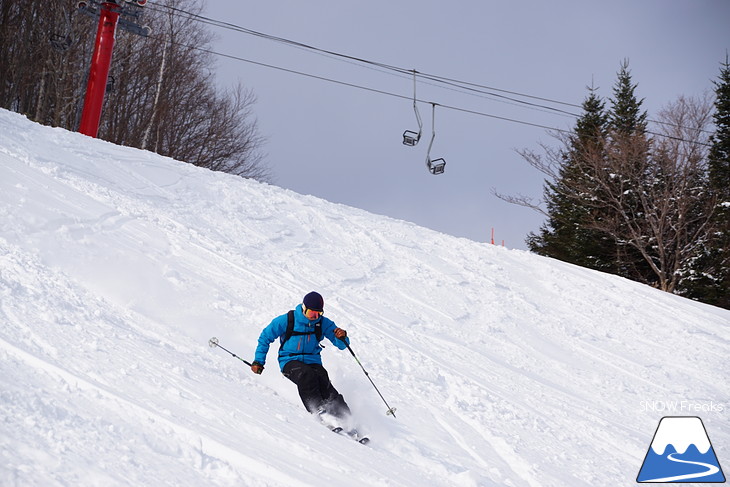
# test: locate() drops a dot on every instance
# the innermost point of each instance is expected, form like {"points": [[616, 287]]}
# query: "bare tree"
{"points": [[40, 66], [650, 195], [171, 104], [229, 141], [162, 94]]}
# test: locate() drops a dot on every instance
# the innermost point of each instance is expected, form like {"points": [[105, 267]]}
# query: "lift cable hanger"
{"points": [[129, 10], [435, 166], [411, 138]]}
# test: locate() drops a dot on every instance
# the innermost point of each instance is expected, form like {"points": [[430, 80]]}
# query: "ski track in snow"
{"points": [[118, 265]]}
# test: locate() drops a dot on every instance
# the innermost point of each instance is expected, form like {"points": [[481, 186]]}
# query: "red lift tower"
{"points": [[110, 13]]}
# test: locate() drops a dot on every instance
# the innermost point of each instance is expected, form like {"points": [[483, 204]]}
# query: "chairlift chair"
{"points": [[435, 166], [411, 138]]}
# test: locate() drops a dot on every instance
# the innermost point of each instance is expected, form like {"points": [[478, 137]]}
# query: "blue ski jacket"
{"points": [[304, 348]]}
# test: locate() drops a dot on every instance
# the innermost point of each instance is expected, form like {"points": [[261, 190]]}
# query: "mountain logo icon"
{"points": [[681, 452]]}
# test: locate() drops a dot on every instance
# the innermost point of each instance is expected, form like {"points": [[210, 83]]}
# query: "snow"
{"points": [[506, 368]]}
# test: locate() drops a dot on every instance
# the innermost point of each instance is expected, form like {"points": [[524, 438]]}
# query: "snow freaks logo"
{"points": [[681, 452]]}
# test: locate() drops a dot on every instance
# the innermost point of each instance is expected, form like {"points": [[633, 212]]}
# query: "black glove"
{"points": [[257, 368]]}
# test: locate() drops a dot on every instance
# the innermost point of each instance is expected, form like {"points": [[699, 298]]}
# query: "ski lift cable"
{"points": [[244, 30], [469, 87], [463, 86], [387, 93], [352, 85], [365, 88], [502, 99], [455, 83]]}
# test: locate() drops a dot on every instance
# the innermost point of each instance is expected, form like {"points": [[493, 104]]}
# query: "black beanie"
{"points": [[314, 301]]}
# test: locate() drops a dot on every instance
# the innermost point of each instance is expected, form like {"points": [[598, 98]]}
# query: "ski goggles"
{"points": [[312, 314]]}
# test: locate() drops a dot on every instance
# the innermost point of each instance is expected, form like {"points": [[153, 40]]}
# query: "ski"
{"points": [[352, 434], [363, 440], [334, 424]]}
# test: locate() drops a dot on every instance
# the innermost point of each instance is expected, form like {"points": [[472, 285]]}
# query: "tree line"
{"points": [[161, 95], [651, 206]]}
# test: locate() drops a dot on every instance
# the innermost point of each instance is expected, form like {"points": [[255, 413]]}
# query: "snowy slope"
{"points": [[118, 265]]}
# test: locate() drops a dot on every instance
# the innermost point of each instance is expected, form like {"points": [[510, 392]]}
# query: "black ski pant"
{"points": [[317, 392]]}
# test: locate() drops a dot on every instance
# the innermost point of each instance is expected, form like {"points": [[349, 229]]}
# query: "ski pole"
{"points": [[213, 342], [390, 409]]}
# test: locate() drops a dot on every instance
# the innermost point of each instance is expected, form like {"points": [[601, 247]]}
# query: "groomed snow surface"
{"points": [[506, 368]]}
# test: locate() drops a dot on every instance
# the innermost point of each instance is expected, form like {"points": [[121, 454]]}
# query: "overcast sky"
{"points": [[345, 144]]}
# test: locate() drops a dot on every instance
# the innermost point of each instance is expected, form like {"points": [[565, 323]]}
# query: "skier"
{"points": [[300, 332]]}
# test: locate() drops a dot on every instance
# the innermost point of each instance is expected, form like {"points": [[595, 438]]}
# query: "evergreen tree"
{"points": [[567, 234], [626, 116], [627, 149], [719, 158], [621, 202], [720, 183], [708, 279]]}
